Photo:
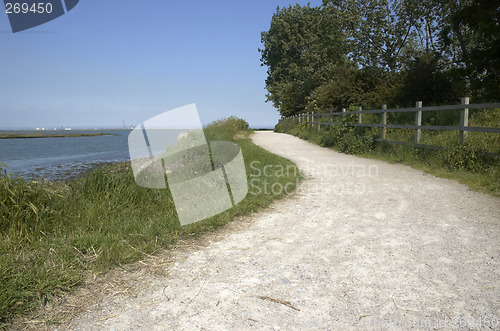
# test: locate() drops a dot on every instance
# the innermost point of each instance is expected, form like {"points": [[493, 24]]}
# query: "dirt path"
{"points": [[363, 244]]}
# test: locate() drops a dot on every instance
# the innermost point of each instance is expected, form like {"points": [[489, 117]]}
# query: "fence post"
{"points": [[464, 120], [359, 115], [343, 114], [319, 122], [331, 119], [307, 120], [418, 122], [384, 121]]}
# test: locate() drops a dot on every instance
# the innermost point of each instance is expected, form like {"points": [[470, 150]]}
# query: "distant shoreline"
{"points": [[20, 135]]}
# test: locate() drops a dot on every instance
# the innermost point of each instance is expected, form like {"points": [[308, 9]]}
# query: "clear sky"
{"points": [[109, 61]]}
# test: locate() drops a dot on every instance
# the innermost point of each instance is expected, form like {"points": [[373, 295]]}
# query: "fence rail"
{"points": [[463, 128]]}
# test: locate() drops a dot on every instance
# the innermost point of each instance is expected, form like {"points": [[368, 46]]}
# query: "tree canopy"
{"points": [[369, 52]]}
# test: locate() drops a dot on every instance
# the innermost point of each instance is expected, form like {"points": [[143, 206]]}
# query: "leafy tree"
{"points": [[378, 30], [351, 86], [302, 48], [341, 91], [369, 52], [471, 36], [425, 81]]}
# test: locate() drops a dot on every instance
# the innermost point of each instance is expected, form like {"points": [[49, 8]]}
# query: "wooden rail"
{"points": [[463, 128]]}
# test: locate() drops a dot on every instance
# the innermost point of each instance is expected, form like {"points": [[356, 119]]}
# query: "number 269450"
{"points": [[24, 8]]}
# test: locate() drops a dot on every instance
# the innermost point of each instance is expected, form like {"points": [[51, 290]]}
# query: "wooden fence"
{"points": [[312, 119]]}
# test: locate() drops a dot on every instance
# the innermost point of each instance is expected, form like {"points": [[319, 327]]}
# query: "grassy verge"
{"points": [[51, 232], [18, 135], [470, 163]]}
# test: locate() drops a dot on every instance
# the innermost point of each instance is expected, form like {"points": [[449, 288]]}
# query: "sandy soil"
{"points": [[361, 245]]}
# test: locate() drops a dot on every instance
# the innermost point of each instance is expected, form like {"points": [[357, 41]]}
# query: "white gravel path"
{"points": [[362, 245]]}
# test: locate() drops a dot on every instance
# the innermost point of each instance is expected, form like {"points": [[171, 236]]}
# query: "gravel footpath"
{"points": [[362, 244]]}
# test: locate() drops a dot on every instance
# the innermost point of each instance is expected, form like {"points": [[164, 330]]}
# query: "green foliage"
{"points": [[342, 137], [393, 52], [302, 48], [425, 80], [485, 117], [473, 163], [226, 128], [285, 126], [486, 178], [329, 139], [23, 203], [469, 34], [378, 31], [352, 143], [341, 91], [51, 233], [346, 139], [464, 157], [471, 156]]}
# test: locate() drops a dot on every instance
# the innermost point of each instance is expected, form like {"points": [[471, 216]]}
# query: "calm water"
{"points": [[59, 158]]}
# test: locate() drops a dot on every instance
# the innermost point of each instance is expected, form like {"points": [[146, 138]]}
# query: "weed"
{"points": [[463, 157]]}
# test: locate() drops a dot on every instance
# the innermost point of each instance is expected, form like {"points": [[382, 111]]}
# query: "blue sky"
{"points": [[109, 61]]}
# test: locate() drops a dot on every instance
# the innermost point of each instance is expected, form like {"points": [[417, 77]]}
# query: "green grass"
{"points": [[470, 163], [461, 163], [18, 135], [51, 232]]}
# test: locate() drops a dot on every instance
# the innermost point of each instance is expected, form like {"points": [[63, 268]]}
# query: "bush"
{"points": [[329, 139], [226, 128], [349, 140], [352, 143], [463, 157], [343, 137], [285, 126], [473, 163]]}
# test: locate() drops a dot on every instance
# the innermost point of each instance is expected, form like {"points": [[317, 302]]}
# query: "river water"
{"points": [[61, 158]]}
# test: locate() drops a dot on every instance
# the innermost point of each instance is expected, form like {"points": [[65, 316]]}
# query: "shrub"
{"points": [[463, 157], [352, 143], [329, 139], [284, 127], [226, 128]]}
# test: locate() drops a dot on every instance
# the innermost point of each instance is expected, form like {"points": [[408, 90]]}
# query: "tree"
{"points": [[302, 49], [378, 30], [369, 52], [426, 81], [341, 91], [471, 38]]}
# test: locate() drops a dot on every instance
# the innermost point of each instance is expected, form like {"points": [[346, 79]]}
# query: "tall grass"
{"points": [[471, 163], [50, 232]]}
